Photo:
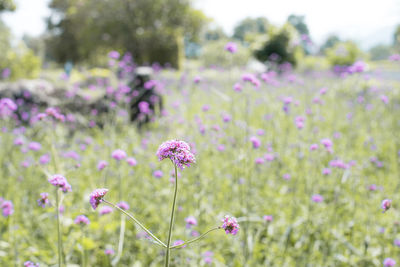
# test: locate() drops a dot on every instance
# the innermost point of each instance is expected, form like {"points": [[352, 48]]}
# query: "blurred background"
{"points": [[49, 33]]}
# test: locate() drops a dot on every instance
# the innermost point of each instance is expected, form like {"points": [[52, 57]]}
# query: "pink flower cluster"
{"points": [[43, 200], [7, 207], [60, 181], [81, 220], [96, 197], [178, 152], [230, 225]]}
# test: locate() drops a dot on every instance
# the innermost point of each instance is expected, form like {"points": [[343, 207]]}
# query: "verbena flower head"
{"points": [[43, 200], [178, 152], [389, 262], [31, 264], [268, 218], [131, 161], [191, 220], [8, 208], [81, 220], [96, 197], [118, 154], [386, 204], [60, 181], [231, 47], [101, 165], [123, 205], [317, 198], [230, 225], [105, 210]]}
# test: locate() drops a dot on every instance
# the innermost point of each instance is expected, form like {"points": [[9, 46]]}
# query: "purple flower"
{"points": [[255, 141], [81, 220], [231, 47], [109, 251], [190, 221], [326, 171], [96, 197], [113, 54], [396, 242], [101, 165], [389, 262], [60, 181], [43, 200], [131, 161], [6, 73], [286, 176], [30, 264], [237, 87], [386, 204], [259, 161], [7, 107], [8, 208], [19, 141], [144, 107], [44, 159], [118, 154], [230, 225], [123, 205], [327, 143], [317, 198], [34, 146], [268, 218], [158, 174], [313, 147], [178, 152], [208, 257], [105, 210]]}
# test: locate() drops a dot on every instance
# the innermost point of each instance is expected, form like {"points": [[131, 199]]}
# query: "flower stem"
{"points": [[158, 241], [59, 241], [172, 219], [195, 239]]}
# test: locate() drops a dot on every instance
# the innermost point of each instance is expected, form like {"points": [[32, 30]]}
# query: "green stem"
{"points": [[172, 219], [58, 229], [196, 239], [158, 241]]}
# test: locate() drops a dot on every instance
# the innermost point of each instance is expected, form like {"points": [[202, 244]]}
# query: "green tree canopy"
{"points": [[299, 23], [249, 26], [7, 5], [150, 30]]}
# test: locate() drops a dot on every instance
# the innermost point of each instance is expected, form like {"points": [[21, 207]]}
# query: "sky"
{"points": [[368, 22]]}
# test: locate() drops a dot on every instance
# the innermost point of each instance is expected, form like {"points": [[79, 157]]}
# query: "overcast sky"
{"points": [[366, 21]]}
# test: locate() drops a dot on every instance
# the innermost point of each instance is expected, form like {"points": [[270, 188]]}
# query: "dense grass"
{"points": [[347, 228]]}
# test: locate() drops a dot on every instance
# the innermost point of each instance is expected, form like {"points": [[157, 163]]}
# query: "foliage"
{"points": [[7, 5], [347, 228], [20, 60], [150, 30], [250, 26], [280, 43], [380, 52], [299, 23], [213, 54], [330, 42], [343, 54], [396, 38]]}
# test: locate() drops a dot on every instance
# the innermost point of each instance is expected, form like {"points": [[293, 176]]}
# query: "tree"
{"points": [[380, 52], [299, 23], [396, 38], [250, 25], [330, 42], [150, 30], [7, 5], [214, 34], [343, 54], [278, 47]]}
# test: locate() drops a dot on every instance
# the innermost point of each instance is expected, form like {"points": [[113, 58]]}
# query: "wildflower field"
{"points": [[305, 166]]}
